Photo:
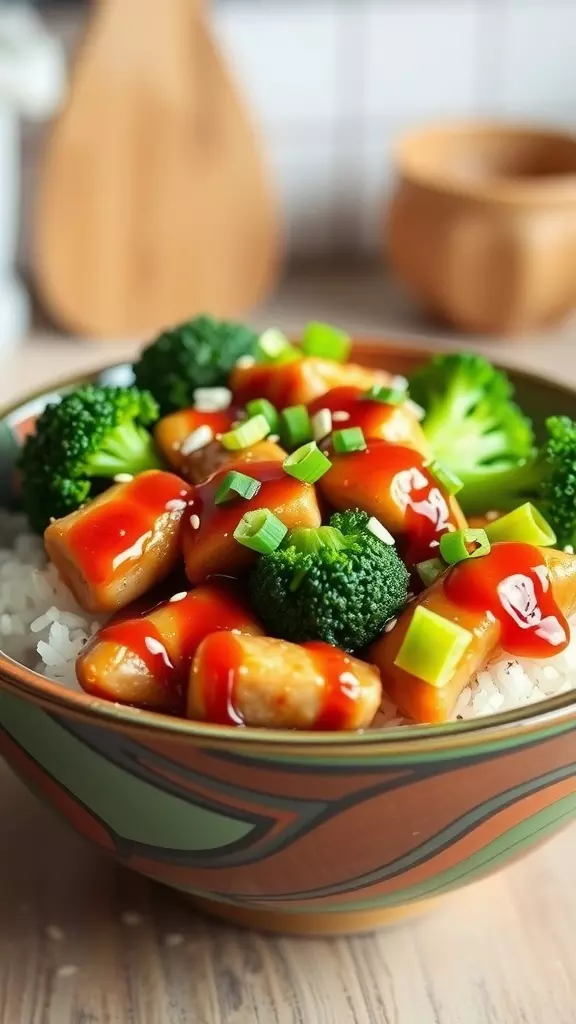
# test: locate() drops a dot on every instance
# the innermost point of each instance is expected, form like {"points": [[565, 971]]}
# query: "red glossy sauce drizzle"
{"points": [[220, 668], [512, 582], [112, 533], [375, 419], [342, 686], [278, 490]]}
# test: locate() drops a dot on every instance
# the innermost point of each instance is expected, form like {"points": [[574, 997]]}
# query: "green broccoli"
{"points": [[547, 479], [197, 354], [338, 583], [93, 432], [470, 418]]}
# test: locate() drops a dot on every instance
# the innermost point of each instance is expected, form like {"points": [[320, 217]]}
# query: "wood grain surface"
{"points": [[82, 942]]}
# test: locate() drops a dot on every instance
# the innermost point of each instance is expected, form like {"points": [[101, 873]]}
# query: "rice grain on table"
{"points": [[43, 627]]}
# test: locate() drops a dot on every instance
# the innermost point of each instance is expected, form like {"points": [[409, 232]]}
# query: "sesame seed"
{"points": [[178, 597], [123, 478], [491, 516], [321, 424], [244, 362], [212, 399], [199, 438], [390, 625], [175, 505], [340, 416], [195, 522], [274, 438], [379, 531]]}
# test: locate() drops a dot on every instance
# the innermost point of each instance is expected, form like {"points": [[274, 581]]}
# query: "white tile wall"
{"points": [[333, 83]]}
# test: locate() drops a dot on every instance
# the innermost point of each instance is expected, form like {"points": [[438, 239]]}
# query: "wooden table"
{"points": [[82, 942]]}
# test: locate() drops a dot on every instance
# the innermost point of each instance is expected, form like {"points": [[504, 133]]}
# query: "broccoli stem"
{"points": [[127, 449], [504, 488]]}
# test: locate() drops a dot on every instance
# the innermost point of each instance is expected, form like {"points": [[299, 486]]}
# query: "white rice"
{"points": [[42, 627]]}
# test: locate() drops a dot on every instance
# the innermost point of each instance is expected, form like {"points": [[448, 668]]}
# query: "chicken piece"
{"points": [[204, 463], [301, 381], [122, 543], [393, 483], [174, 436], [395, 423], [208, 530], [146, 660], [261, 681], [515, 599]]}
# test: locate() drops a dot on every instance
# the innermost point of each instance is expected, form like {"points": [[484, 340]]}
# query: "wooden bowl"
{"points": [[482, 226], [289, 831]]}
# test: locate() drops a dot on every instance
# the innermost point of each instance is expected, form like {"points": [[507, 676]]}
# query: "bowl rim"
{"points": [[546, 190], [546, 715]]}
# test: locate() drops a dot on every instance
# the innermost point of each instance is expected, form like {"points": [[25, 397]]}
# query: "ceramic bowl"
{"points": [[296, 832], [482, 225]]}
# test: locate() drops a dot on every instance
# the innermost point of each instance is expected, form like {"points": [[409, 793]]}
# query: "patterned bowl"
{"points": [[294, 832]]}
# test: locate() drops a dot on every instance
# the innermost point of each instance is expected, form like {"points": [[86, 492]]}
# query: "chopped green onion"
{"points": [[261, 531], [307, 463], [445, 477], [351, 439], [456, 547], [295, 426], [432, 647], [274, 347], [248, 433], [261, 406], [389, 396], [525, 524], [326, 342], [430, 570], [236, 485]]}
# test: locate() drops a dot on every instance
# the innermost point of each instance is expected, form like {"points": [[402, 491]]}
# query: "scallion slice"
{"points": [[525, 525], [261, 406], [445, 477], [246, 434], [274, 347], [326, 342], [351, 439], [462, 544], [430, 570], [261, 531], [307, 463], [388, 396], [432, 647], [295, 426], [236, 485]]}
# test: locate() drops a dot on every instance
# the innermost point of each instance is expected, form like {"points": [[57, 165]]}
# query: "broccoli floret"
{"points": [[338, 583], [470, 419], [197, 354], [547, 479], [92, 433]]}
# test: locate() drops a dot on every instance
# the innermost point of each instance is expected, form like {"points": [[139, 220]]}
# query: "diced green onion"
{"points": [[295, 426], [326, 342], [462, 544], [351, 439], [246, 434], [261, 406], [432, 647], [236, 485], [388, 396], [525, 524], [261, 531], [445, 477], [430, 570], [274, 347], [307, 463]]}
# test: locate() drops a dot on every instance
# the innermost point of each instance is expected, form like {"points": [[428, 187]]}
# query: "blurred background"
{"points": [[330, 86]]}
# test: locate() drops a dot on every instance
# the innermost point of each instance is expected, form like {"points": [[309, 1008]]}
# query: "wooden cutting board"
{"points": [[154, 202]]}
